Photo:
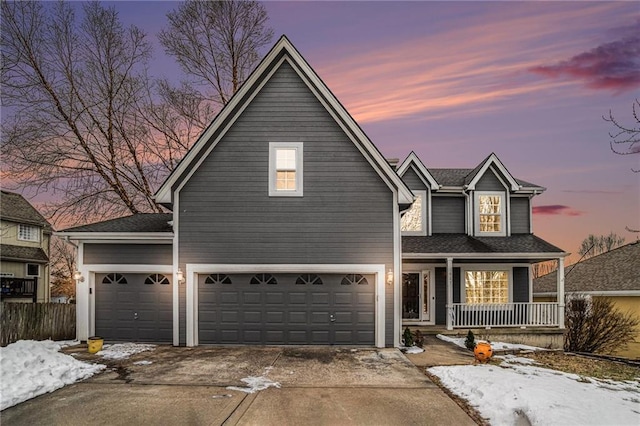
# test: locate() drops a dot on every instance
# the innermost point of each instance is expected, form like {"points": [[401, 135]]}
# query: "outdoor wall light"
{"points": [[180, 276], [77, 275], [389, 277]]}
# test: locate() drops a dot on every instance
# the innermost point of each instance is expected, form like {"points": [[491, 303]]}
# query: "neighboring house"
{"points": [[286, 229], [24, 251], [614, 274]]}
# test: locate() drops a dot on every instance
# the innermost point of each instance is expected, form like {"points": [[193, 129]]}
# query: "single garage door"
{"points": [[294, 309], [134, 307]]}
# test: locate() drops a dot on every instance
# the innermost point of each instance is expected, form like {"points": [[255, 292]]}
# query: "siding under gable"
{"points": [[345, 215], [413, 181], [489, 182]]}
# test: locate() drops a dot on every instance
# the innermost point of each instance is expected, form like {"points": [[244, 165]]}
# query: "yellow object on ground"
{"points": [[483, 352], [94, 344]]}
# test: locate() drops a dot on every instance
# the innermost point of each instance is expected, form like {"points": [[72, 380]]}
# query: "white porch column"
{"points": [[449, 306], [560, 292]]}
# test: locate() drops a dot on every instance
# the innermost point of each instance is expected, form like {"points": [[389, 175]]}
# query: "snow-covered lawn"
{"points": [[29, 368], [518, 388]]}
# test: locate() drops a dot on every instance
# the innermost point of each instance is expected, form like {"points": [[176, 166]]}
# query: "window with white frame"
{"points": [[28, 233], [285, 169], [490, 213], [33, 270], [414, 220], [486, 287]]}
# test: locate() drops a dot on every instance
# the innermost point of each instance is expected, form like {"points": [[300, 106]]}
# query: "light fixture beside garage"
{"points": [[180, 276], [77, 275], [389, 277]]}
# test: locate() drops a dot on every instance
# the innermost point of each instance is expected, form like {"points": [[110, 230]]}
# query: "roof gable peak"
{"points": [[492, 160], [424, 174], [282, 51]]}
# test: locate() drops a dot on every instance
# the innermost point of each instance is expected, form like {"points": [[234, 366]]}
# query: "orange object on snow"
{"points": [[483, 352]]}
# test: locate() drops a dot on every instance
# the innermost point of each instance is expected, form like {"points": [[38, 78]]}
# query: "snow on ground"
{"points": [[504, 393], [411, 350], [123, 350], [29, 368], [459, 341], [255, 384]]}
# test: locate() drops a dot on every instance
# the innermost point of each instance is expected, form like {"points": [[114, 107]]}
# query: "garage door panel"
{"points": [[120, 296], [252, 317], [285, 309]]}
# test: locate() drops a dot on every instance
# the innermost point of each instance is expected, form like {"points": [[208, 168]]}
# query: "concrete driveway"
{"points": [[318, 386]]}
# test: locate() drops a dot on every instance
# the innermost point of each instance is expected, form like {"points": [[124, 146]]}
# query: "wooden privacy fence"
{"points": [[36, 321]]}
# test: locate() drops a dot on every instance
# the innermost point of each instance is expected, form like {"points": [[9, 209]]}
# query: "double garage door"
{"points": [[134, 307], [294, 309]]}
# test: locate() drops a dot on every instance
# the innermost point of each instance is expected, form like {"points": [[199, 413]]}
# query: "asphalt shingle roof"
{"points": [[16, 208], [615, 270], [141, 222], [458, 177], [463, 243], [31, 254]]}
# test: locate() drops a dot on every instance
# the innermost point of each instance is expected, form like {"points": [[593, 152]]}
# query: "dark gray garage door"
{"points": [[134, 307], [322, 309]]}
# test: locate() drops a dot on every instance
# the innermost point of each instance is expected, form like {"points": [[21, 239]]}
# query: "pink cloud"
{"points": [[556, 209], [611, 66]]}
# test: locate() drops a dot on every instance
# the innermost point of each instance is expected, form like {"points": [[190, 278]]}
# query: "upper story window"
{"points": [[285, 169], [490, 213], [28, 233], [414, 220]]}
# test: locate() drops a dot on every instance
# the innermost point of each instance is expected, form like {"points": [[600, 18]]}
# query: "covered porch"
{"points": [[479, 290]]}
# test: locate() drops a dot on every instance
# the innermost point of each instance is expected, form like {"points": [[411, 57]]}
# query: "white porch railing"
{"points": [[504, 315]]}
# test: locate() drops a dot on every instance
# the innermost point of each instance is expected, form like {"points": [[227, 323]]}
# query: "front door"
{"points": [[417, 296]]}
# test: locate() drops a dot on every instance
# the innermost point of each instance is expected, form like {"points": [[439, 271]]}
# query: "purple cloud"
{"points": [[611, 66], [556, 209]]}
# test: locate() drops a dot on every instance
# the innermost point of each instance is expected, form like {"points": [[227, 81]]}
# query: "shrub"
{"points": [[470, 341], [407, 336], [596, 325]]}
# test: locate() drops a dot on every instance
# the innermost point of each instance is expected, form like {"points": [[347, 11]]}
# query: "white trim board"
{"points": [[193, 269]]}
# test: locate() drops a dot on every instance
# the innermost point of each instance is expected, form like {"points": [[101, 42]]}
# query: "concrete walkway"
{"points": [[318, 386]]}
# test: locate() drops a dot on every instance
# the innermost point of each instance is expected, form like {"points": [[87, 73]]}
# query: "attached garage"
{"points": [[281, 308], [134, 307]]}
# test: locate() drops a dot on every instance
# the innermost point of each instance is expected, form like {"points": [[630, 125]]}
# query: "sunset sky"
{"points": [[455, 81]]}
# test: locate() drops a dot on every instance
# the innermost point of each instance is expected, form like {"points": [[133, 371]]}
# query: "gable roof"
{"points": [[283, 50], [14, 207], [476, 174], [140, 222], [617, 270], [457, 177], [427, 178]]}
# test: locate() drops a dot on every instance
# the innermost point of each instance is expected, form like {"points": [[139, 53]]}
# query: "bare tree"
{"points": [[594, 245], [627, 137], [217, 43], [63, 265], [74, 89], [543, 268]]}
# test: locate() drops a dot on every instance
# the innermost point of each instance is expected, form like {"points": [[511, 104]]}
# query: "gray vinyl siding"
{"points": [[520, 215], [128, 254], [345, 215], [441, 293], [489, 182], [520, 284], [448, 215], [413, 181]]}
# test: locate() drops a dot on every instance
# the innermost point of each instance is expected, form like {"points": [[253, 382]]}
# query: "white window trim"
{"points": [[503, 214], [484, 267], [424, 229], [273, 146], [36, 233], [26, 270]]}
